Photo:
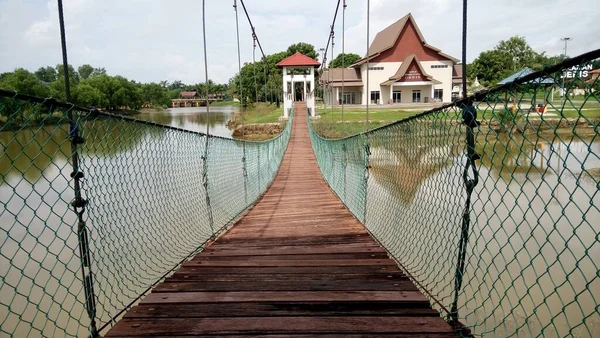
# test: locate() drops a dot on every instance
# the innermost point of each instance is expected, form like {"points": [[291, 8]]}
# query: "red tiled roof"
{"points": [[298, 60]]}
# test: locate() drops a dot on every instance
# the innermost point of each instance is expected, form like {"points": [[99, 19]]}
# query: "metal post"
{"points": [[78, 203], [564, 89]]}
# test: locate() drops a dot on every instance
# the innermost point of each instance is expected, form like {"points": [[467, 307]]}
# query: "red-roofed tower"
{"points": [[298, 68]]}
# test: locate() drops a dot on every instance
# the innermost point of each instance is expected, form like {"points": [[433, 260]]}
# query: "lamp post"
{"points": [[564, 91]]}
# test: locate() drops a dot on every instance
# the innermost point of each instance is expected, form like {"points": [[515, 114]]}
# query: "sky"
{"points": [[155, 40]]}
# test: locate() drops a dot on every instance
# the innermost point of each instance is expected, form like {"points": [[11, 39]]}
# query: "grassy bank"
{"points": [[260, 121]]}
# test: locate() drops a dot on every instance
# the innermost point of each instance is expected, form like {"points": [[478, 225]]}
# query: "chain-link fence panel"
{"points": [[150, 196], [494, 219]]}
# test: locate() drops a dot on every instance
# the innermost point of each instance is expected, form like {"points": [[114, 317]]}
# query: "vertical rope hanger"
{"points": [[343, 57], [78, 203], [241, 89], [254, 65], [368, 93], [205, 160]]}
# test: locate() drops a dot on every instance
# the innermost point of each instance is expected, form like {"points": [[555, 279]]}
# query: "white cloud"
{"points": [[153, 40]]}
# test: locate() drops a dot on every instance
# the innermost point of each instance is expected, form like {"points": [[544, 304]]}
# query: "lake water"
{"points": [[193, 118], [533, 221]]}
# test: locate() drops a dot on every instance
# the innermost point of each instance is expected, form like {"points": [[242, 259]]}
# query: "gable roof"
{"points": [[457, 71], [524, 72], [387, 38], [404, 67], [188, 94], [298, 60], [333, 77]]}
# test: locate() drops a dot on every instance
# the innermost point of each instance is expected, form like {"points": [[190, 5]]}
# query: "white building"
{"points": [[403, 68]]}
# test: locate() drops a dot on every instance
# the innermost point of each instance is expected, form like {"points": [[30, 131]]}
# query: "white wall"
{"points": [[443, 75], [407, 92], [376, 78]]}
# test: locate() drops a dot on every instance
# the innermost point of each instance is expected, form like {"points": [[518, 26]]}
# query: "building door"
{"points": [[348, 98], [416, 96], [397, 96]]}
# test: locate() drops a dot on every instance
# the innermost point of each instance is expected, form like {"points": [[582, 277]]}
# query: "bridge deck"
{"points": [[297, 264]]}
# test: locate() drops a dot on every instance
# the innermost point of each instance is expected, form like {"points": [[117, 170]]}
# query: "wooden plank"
{"points": [[250, 256], [185, 277], [198, 269], [289, 285], [293, 309], [292, 296], [293, 262], [221, 250], [281, 325]]}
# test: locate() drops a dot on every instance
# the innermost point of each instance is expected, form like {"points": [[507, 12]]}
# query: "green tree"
{"points": [[522, 55], [85, 71], [25, 82], [304, 48], [344, 60], [73, 75], [46, 74], [88, 96], [155, 95], [506, 58]]}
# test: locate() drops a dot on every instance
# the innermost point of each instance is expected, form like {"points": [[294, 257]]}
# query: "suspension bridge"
{"points": [[465, 220]]}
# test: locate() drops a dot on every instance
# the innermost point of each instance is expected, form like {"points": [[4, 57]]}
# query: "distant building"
{"points": [[189, 95], [403, 68]]}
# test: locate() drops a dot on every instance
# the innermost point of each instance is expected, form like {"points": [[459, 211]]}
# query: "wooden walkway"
{"points": [[298, 264]]}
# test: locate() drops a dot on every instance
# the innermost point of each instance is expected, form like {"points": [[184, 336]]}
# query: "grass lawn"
{"points": [[261, 112], [224, 103], [359, 115]]}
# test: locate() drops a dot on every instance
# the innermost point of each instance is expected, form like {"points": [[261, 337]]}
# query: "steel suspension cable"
{"points": [[343, 57], [206, 144], [241, 95], [78, 203], [337, 7], [368, 93], [254, 65]]}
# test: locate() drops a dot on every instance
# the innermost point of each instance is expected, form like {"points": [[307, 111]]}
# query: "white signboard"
{"points": [[581, 72]]}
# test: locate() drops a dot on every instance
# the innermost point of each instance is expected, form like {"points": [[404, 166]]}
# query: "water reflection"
{"points": [[401, 170], [194, 118]]}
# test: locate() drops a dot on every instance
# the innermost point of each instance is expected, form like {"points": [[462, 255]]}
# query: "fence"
{"points": [[495, 219], [97, 208]]}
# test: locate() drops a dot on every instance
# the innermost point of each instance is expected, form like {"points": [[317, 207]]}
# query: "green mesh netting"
{"points": [[532, 245], [155, 195]]}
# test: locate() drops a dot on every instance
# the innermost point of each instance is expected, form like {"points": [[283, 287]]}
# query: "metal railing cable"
{"points": [[515, 254]]}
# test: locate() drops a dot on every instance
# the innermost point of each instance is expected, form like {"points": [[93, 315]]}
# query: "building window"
{"points": [[416, 96], [375, 68], [397, 96], [347, 98], [375, 97], [438, 94], [439, 66]]}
